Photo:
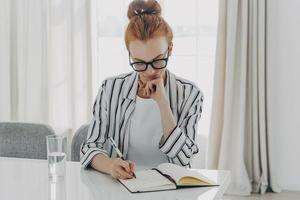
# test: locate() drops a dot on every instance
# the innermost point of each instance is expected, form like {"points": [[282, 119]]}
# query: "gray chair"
{"points": [[24, 140], [78, 139]]}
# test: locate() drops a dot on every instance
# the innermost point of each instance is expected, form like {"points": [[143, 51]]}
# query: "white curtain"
{"points": [[47, 59], [239, 137]]}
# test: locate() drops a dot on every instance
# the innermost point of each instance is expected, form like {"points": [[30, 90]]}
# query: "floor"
{"points": [[284, 195]]}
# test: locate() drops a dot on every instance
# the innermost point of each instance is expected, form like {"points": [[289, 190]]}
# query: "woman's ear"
{"points": [[170, 48]]}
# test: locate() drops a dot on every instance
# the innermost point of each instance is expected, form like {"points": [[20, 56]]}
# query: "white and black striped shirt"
{"points": [[115, 104]]}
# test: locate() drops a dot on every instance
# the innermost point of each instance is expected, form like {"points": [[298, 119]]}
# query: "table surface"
{"points": [[27, 179]]}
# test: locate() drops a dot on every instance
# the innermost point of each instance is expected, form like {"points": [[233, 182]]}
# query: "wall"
{"points": [[283, 68]]}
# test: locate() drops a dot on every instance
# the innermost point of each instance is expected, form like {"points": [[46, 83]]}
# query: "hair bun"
{"points": [[140, 7]]}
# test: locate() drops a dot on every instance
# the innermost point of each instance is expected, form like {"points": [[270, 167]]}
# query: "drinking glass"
{"points": [[56, 154]]}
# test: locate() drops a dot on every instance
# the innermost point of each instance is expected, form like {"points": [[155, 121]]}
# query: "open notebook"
{"points": [[166, 176]]}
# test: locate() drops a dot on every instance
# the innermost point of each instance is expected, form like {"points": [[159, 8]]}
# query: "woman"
{"points": [[150, 113]]}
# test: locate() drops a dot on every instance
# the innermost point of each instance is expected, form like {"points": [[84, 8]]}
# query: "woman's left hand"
{"points": [[154, 89]]}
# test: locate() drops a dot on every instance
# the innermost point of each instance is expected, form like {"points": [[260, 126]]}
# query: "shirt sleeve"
{"points": [[180, 145], [96, 134]]}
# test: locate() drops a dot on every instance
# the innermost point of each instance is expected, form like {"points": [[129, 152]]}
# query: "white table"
{"points": [[27, 179]]}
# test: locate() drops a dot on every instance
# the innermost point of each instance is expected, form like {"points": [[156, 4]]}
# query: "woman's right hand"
{"points": [[122, 169]]}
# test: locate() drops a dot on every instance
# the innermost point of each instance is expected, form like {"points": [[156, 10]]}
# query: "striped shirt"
{"points": [[113, 109]]}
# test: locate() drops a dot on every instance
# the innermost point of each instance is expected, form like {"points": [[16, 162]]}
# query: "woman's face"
{"points": [[148, 51]]}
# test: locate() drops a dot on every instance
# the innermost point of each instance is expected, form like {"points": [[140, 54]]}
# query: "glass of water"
{"points": [[56, 153]]}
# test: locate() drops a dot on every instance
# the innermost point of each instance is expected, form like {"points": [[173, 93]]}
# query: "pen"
{"points": [[117, 150]]}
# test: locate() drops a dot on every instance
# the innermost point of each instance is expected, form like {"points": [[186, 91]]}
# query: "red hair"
{"points": [[145, 22]]}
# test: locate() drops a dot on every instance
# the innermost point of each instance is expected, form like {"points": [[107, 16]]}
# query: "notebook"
{"points": [[166, 176]]}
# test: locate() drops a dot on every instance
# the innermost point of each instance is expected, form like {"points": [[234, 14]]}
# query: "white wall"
{"points": [[283, 65]]}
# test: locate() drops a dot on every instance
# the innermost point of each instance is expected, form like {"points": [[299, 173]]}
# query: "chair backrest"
{"points": [[24, 140], [78, 139]]}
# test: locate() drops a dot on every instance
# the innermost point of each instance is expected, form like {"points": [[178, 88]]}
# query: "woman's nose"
{"points": [[150, 69]]}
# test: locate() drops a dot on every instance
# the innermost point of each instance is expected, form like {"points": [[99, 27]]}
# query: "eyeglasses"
{"points": [[155, 64]]}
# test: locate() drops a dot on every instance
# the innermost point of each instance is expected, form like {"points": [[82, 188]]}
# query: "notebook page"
{"points": [[146, 179], [177, 172]]}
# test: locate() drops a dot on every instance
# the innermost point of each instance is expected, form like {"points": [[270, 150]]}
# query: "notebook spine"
{"points": [[166, 175]]}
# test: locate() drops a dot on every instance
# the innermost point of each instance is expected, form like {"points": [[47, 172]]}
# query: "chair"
{"points": [[77, 141], [24, 140]]}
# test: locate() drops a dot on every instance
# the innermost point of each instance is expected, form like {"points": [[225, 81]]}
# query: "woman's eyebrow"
{"points": [[152, 59]]}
